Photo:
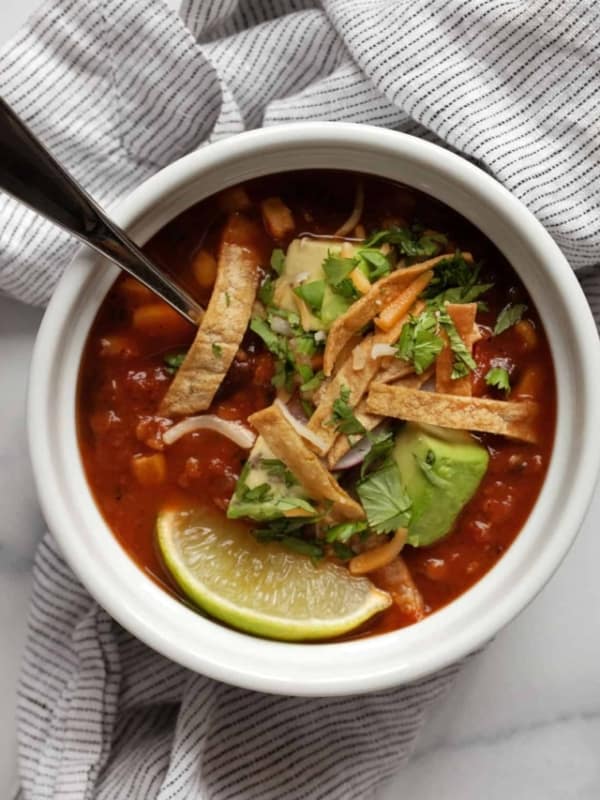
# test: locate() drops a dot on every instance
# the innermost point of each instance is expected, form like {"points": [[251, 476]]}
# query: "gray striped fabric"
{"points": [[119, 88]]}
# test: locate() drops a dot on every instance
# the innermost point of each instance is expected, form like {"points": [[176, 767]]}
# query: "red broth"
{"points": [[123, 378]]}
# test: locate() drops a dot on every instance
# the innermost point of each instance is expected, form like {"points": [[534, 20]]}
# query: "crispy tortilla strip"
{"points": [[396, 579], [371, 421], [357, 381], [398, 307], [516, 420], [463, 316], [395, 371], [224, 324], [290, 448], [367, 307]]}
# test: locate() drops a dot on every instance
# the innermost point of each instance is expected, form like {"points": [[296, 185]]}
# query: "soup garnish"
{"points": [[355, 432]]}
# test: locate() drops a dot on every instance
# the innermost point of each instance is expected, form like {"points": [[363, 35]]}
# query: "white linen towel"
{"points": [[119, 88]]}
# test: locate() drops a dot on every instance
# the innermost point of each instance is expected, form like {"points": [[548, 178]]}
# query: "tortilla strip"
{"points": [[463, 316], [288, 446], [369, 305], [396, 579], [223, 325], [514, 419], [371, 421], [395, 371], [357, 380]]}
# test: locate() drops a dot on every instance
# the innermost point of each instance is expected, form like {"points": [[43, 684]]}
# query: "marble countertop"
{"points": [[523, 720]]}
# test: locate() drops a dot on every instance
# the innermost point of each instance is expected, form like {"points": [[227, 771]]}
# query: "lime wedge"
{"points": [[261, 588]]}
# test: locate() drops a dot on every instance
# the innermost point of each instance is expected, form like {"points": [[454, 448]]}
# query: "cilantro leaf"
{"points": [[459, 294], [508, 317], [278, 260], [312, 293], [343, 531], [385, 500], [277, 469], [275, 343], [342, 551], [217, 350], [499, 378], [382, 444], [419, 341], [258, 494], [313, 384], [173, 361], [411, 242], [343, 416], [373, 263], [336, 268], [266, 291], [463, 360], [450, 273]]}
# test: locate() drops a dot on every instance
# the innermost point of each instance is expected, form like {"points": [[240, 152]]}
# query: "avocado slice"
{"points": [[265, 488], [305, 257], [441, 470]]}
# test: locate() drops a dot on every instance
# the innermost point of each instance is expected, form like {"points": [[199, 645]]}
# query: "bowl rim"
{"points": [[167, 625]]}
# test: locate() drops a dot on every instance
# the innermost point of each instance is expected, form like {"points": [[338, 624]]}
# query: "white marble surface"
{"points": [[523, 720]]}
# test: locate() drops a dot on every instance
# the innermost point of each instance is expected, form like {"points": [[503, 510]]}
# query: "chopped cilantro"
{"points": [[227, 299], [305, 371], [463, 360], [217, 350], [336, 268], [450, 273], [343, 416], [381, 447], [419, 341], [307, 407], [313, 384], [411, 242], [305, 344], [277, 469], [344, 531], [288, 532], [384, 499], [173, 361], [258, 494], [460, 294], [499, 378], [278, 260], [265, 293], [312, 294], [275, 343], [373, 263], [508, 317], [342, 551]]}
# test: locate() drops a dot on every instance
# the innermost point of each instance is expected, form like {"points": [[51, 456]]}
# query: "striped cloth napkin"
{"points": [[119, 88]]}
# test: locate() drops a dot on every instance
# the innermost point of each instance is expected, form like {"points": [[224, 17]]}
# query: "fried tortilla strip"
{"points": [[516, 420], [370, 421], [288, 446], [395, 371], [224, 323], [396, 579], [463, 316], [356, 380], [369, 305]]}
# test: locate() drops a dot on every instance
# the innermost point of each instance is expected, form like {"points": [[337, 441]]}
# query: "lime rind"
{"points": [[259, 588]]}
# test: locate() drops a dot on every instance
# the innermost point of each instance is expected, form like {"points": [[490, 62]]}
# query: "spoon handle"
{"points": [[31, 175]]}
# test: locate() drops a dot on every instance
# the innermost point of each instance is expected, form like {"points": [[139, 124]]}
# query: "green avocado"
{"points": [[265, 488], [304, 259], [441, 470]]}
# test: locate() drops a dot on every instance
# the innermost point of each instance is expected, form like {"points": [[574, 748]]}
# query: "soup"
{"points": [[356, 431]]}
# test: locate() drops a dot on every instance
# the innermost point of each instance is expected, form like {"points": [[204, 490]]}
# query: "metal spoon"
{"points": [[30, 174]]}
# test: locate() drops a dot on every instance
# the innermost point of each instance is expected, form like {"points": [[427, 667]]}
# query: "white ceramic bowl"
{"points": [[367, 664]]}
